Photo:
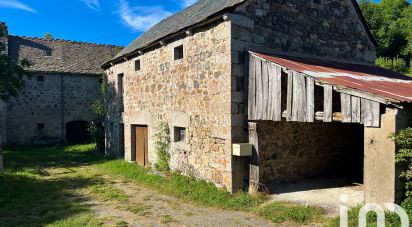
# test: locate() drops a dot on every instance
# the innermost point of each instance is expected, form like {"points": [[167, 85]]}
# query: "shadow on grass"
{"points": [[18, 158], [33, 201], [29, 197]]}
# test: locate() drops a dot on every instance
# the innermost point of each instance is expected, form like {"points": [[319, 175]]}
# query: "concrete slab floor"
{"points": [[319, 192]]}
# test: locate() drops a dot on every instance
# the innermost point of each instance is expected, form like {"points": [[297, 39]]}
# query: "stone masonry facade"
{"points": [[62, 82], [204, 91], [193, 92]]}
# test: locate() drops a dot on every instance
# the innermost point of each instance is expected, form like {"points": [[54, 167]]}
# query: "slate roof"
{"points": [[61, 56], [192, 15]]}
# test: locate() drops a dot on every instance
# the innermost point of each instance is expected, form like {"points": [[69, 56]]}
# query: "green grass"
{"points": [[391, 219], [29, 196], [283, 212], [39, 184]]}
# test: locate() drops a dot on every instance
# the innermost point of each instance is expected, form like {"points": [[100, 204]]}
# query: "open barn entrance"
{"points": [[76, 132], [312, 162]]}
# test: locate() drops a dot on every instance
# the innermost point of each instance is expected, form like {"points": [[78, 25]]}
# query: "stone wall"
{"points": [[291, 151], [40, 102], [193, 92], [3, 123]]}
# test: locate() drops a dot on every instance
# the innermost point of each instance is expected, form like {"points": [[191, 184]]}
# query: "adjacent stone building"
{"points": [[199, 71], [63, 80]]}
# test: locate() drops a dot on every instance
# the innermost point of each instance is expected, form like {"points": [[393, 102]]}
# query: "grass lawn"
{"points": [[41, 187]]}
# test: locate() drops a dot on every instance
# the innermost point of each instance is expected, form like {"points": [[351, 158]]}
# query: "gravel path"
{"points": [[146, 207]]}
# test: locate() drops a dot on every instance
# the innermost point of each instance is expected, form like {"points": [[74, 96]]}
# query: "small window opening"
{"points": [[137, 65], [48, 52], [178, 52], [40, 78], [41, 127], [180, 134], [317, 1], [100, 81]]}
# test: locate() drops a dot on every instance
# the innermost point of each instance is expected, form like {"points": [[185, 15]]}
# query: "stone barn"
{"points": [[63, 80], [262, 93]]}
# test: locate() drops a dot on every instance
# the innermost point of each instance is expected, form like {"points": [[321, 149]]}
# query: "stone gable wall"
{"points": [[194, 92], [40, 102]]}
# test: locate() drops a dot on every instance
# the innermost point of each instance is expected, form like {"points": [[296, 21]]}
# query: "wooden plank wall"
{"points": [[265, 98]]}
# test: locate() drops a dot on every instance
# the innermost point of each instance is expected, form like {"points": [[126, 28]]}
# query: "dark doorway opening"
{"points": [[76, 132]]}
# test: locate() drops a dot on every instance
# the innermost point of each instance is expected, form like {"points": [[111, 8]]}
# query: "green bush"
{"points": [[403, 141], [394, 64], [162, 143]]}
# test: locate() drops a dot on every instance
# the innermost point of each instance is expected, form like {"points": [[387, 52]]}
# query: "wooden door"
{"points": [[141, 145]]}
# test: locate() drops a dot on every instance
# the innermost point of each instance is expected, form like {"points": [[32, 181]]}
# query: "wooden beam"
{"points": [[254, 174], [361, 94], [252, 89], [289, 97], [310, 99], [277, 93], [346, 107], [327, 102]]}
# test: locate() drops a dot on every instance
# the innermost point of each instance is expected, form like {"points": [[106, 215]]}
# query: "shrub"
{"points": [[394, 64], [162, 136], [403, 141]]}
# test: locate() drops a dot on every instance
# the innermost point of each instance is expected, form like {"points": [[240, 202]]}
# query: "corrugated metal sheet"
{"points": [[366, 78]]}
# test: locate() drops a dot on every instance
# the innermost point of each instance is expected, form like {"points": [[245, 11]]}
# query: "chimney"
{"points": [[4, 37]]}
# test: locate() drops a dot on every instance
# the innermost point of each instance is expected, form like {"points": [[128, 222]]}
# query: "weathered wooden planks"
{"points": [[327, 103], [346, 108], [310, 99], [370, 113], [254, 175], [252, 89], [276, 91], [356, 109], [289, 97], [265, 98]]}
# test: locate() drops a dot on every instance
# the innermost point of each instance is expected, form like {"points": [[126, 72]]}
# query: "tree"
{"points": [[11, 79], [390, 23], [11, 73]]}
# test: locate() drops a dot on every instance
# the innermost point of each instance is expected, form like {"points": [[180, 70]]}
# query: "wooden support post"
{"points": [[310, 99], [346, 107], [252, 89], [254, 174], [327, 103]]}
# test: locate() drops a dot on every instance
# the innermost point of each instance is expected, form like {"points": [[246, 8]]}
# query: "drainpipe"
{"points": [[62, 108]]}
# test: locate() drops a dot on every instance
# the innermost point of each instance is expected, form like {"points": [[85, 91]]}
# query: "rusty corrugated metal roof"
{"points": [[365, 78]]}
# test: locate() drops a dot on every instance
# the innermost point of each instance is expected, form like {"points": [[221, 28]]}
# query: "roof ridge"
{"points": [[64, 40]]}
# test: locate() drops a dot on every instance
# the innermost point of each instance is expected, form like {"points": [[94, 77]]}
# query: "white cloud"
{"points": [[92, 4], [141, 18], [15, 4], [186, 3]]}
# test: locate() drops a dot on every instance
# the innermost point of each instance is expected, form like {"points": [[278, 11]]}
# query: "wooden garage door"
{"points": [[141, 145]]}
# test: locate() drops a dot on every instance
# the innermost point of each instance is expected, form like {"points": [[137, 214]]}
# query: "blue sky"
{"points": [[99, 21]]}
